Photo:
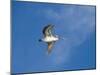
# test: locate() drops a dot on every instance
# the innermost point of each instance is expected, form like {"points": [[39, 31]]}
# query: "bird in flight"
{"points": [[49, 38]]}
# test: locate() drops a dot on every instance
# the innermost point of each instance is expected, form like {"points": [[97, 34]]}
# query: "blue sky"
{"points": [[75, 23]]}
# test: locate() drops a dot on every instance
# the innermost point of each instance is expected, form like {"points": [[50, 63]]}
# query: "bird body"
{"points": [[49, 38]]}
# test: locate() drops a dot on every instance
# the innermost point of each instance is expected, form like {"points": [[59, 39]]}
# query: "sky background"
{"points": [[74, 23]]}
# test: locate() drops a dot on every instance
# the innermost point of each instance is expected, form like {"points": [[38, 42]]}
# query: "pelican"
{"points": [[49, 38]]}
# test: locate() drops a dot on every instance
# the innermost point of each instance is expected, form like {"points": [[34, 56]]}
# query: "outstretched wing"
{"points": [[50, 45], [47, 31]]}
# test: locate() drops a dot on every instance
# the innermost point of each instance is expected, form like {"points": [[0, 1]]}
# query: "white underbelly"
{"points": [[50, 39]]}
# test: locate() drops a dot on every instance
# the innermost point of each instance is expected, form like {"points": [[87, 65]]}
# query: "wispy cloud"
{"points": [[76, 23]]}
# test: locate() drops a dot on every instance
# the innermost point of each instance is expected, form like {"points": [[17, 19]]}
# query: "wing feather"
{"points": [[47, 31], [50, 45]]}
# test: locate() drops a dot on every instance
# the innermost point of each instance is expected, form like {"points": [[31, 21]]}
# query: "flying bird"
{"points": [[49, 38]]}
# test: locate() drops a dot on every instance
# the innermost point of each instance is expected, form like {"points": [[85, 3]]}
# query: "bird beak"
{"points": [[40, 40]]}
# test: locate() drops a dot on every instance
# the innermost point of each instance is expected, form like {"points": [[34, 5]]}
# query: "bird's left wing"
{"points": [[47, 31]]}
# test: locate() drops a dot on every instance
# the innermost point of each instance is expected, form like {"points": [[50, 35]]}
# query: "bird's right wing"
{"points": [[47, 31], [50, 45]]}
